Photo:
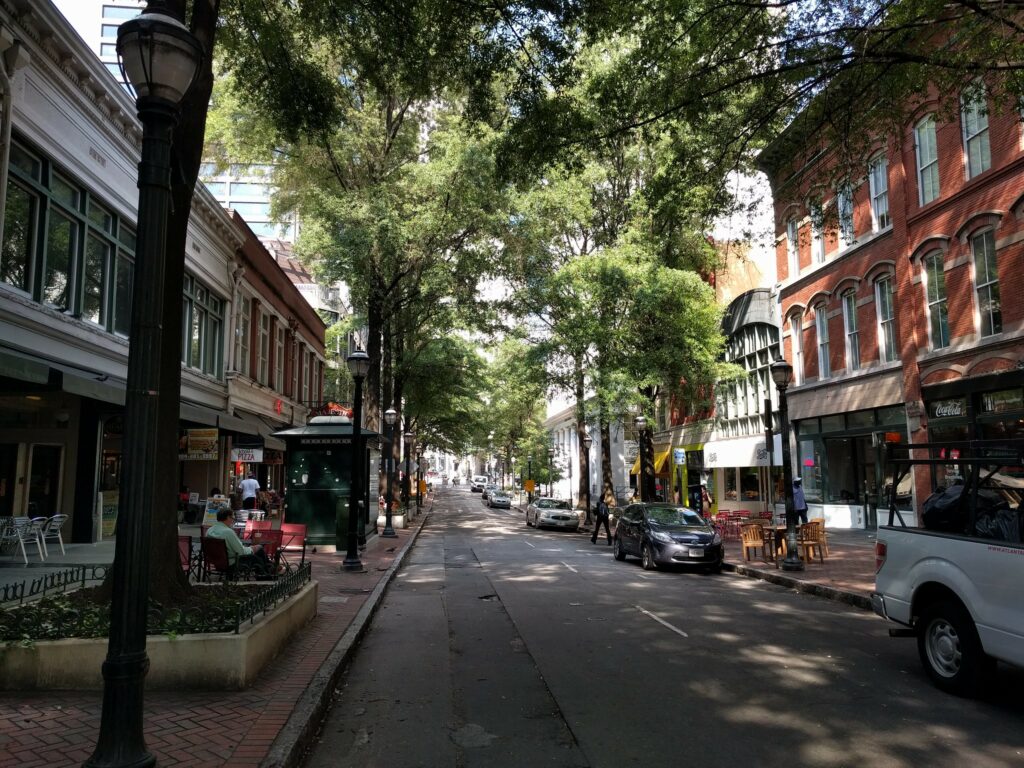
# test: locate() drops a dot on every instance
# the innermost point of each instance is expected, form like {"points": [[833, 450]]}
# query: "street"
{"points": [[500, 645]]}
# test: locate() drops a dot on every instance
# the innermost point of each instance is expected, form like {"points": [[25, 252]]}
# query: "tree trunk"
{"points": [[583, 487], [646, 440], [607, 479], [387, 401], [372, 390]]}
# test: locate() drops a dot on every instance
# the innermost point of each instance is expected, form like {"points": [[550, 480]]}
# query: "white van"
{"points": [[478, 483]]}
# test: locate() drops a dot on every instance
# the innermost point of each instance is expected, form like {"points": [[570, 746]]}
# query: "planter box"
{"points": [[397, 521], [214, 661]]}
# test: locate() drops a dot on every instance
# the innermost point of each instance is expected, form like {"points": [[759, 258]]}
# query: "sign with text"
{"points": [[247, 453], [198, 445]]}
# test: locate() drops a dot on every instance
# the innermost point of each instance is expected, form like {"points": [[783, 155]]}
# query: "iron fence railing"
{"points": [[24, 618]]}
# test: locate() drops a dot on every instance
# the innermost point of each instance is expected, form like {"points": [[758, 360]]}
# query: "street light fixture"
{"points": [[587, 442], [781, 373], [640, 422], [390, 416], [358, 366], [160, 58]]}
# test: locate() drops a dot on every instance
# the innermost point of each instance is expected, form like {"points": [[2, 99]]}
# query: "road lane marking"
{"points": [[661, 621], [569, 567], [530, 545]]}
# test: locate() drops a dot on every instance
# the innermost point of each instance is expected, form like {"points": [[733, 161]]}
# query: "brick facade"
{"points": [[963, 210]]}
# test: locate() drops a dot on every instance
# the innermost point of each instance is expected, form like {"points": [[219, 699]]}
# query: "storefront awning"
{"points": [[747, 451], [238, 425], [198, 414], [252, 424], [660, 459], [15, 366]]}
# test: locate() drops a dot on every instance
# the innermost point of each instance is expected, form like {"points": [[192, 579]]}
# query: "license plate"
{"points": [[696, 552]]}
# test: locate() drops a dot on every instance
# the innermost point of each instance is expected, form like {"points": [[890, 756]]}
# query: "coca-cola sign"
{"points": [[948, 409]]}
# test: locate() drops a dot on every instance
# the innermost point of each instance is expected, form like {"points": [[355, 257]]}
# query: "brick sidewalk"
{"points": [[59, 728]]}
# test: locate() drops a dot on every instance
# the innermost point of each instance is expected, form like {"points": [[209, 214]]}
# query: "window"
{"points": [[797, 335], [821, 326], [886, 319], [817, 233], [242, 333], [927, 161], [251, 210], [935, 280], [279, 359], [108, 49], [62, 247], [878, 181], [793, 247], [249, 189], [202, 321], [263, 365], [986, 281], [974, 118], [108, 30], [844, 211], [850, 326], [119, 12], [305, 375]]}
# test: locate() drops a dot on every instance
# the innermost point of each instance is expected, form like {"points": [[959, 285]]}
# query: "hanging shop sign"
{"points": [[247, 454], [198, 445], [270, 456], [330, 409]]}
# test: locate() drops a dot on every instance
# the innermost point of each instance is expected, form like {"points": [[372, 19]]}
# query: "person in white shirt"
{"points": [[249, 488]]}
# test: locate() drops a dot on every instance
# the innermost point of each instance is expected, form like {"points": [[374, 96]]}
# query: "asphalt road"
{"points": [[498, 645]]}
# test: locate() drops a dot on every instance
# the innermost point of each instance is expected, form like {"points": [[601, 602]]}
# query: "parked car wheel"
{"points": [[647, 557], [617, 551], [948, 644]]}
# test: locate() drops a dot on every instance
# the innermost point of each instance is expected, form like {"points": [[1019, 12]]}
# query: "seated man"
{"points": [[238, 553]]}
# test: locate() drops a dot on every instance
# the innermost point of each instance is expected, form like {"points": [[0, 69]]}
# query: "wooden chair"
{"points": [[752, 537], [810, 541], [824, 534], [215, 559]]}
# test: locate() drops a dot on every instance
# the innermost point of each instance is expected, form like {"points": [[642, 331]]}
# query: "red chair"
{"points": [[215, 559], [185, 553], [293, 540], [271, 541]]}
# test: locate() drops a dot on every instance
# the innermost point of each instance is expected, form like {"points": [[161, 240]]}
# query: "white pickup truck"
{"points": [[959, 592]]}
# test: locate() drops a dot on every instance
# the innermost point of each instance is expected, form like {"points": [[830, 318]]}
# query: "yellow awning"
{"points": [[660, 459]]}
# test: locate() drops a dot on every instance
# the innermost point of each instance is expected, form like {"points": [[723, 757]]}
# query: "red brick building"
{"points": [[900, 296]]}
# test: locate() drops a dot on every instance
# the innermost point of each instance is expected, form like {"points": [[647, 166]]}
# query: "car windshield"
{"points": [[552, 504], [674, 516]]}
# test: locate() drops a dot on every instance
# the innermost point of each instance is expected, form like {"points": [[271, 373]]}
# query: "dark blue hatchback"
{"points": [[667, 534]]}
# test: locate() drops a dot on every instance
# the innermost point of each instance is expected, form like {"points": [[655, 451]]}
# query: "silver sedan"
{"points": [[552, 513]]}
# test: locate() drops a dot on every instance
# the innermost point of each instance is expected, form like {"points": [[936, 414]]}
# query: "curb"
{"points": [[298, 733], [808, 587]]}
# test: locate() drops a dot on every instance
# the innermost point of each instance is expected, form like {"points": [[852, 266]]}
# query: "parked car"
{"points": [[489, 488], [501, 499], [667, 534], [554, 513], [478, 482]]}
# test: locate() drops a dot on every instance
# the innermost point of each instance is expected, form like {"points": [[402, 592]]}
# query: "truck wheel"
{"points": [[950, 650]]}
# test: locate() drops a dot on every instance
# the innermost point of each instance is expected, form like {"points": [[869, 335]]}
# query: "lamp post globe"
{"points": [[160, 59], [588, 441], [781, 372], [358, 365], [390, 417]]}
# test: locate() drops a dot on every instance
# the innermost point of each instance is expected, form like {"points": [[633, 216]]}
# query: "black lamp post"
{"points": [[587, 442], [409, 437], [419, 482], [490, 457], [551, 477], [390, 416], [160, 59], [512, 463], [781, 372], [358, 366], [529, 476], [640, 422]]}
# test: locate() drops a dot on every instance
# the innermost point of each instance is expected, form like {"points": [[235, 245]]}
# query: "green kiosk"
{"points": [[318, 466]]}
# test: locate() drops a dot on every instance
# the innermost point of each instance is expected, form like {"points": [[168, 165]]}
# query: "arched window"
{"points": [[886, 319], [817, 233], [927, 161], [821, 326], [793, 247], [974, 121], [878, 181], [986, 282], [851, 332], [935, 287], [844, 211], [796, 333]]}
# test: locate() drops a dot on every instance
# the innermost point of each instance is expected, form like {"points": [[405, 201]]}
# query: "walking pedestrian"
{"points": [[799, 502], [249, 488], [602, 517]]}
